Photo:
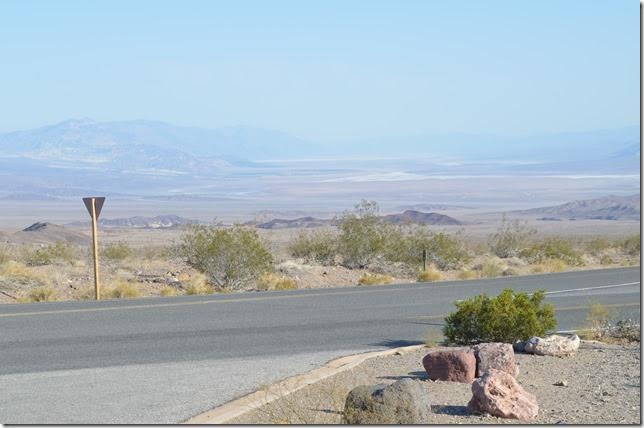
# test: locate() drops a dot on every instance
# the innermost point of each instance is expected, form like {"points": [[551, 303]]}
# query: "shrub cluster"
{"points": [[116, 251], [507, 317], [50, 254], [364, 238], [553, 248], [272, 281], [231, 258], [511, 238]]}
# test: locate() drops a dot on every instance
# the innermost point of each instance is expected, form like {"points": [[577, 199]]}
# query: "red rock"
{"points": [[499, 356], [499, 394], [451, 366]]}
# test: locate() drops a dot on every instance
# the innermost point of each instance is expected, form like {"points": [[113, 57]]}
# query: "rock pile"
{"points": [[489, 367]]}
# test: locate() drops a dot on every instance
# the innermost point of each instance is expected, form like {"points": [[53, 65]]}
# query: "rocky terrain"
{"points": [[598, 385], [606, 208]]}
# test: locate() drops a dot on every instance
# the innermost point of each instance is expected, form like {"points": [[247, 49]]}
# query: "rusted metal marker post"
{"points": [[94, 206], [424, 260]]}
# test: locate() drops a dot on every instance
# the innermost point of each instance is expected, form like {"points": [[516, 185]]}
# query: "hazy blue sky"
{"points": [[324, 69]]}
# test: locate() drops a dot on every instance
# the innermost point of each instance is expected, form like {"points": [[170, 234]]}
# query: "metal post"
{"points": [[97, 286], [424, 260]]}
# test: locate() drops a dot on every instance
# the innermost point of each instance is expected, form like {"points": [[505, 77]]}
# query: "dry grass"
{"points": [[40, 294], [429, 275], [375, 279], [272, 281], [168, 291], [491, 269], [123, 290], [198, 284], [468, 274], [550, 266]]}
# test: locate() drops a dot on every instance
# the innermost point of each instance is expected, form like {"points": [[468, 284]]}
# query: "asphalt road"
{"points": [[163, 360]]}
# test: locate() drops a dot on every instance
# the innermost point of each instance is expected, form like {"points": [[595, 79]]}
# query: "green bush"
{"points": [[553, 248], [230, 258], [507, 317], [362, 235], [116, 251], [60, 251], [316, 246], [511, 238], [444, 251]]}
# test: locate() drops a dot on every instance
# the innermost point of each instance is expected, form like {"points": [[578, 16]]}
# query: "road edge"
{"points": [[235, 408]]}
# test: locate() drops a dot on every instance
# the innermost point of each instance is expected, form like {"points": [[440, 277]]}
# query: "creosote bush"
{"points": [[50, 254], [362, 235], [511, 238], [116, 251], [231, 258], [375, 279], [631, 245], [315, 246], [553, 248], [507, 318]]}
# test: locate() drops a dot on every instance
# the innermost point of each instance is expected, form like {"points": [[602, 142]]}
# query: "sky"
{"points": [[324, 70]]}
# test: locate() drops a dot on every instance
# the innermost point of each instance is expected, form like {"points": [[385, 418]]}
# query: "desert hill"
{"points": [[606, 208], [47, 233], [140, 222], [422, 218]]}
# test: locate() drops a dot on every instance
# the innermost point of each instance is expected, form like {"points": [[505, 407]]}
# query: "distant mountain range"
{"points": [[606, 208], [159, 160], [139, 222]]}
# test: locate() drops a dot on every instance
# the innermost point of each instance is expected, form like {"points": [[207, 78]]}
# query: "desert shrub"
{"points": [[468, 274], [597, 246], [553, 248], [606, 260], [271, 281], [315, 246], [123, 290], [507, 317], [550, 266], [631, 245], [374, 279], [230, 258], [511, 238], [429, 275], [168, 291], [444, 251], [50, 254], [491, 269], [362, 235], [116, 251], [85, 293]]}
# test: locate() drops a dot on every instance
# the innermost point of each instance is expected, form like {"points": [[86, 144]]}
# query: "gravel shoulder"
{"points": [[602, 387]]}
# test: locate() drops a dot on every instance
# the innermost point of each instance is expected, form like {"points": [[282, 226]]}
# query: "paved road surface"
{"points": [[163, 360]]}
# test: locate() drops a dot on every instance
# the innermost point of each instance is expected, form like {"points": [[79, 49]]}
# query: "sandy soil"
{"points": [[603, 387]]}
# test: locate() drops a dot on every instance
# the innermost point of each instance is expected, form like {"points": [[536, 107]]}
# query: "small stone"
{"points": [[561, 383]]}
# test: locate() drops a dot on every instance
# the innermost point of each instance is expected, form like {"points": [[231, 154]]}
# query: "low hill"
{"points": [[302, 222], [47, 233], [606, 208], [140, 222], [422, 218]]}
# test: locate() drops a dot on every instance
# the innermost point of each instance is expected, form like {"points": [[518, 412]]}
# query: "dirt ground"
{"points": [[603, 387]]}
